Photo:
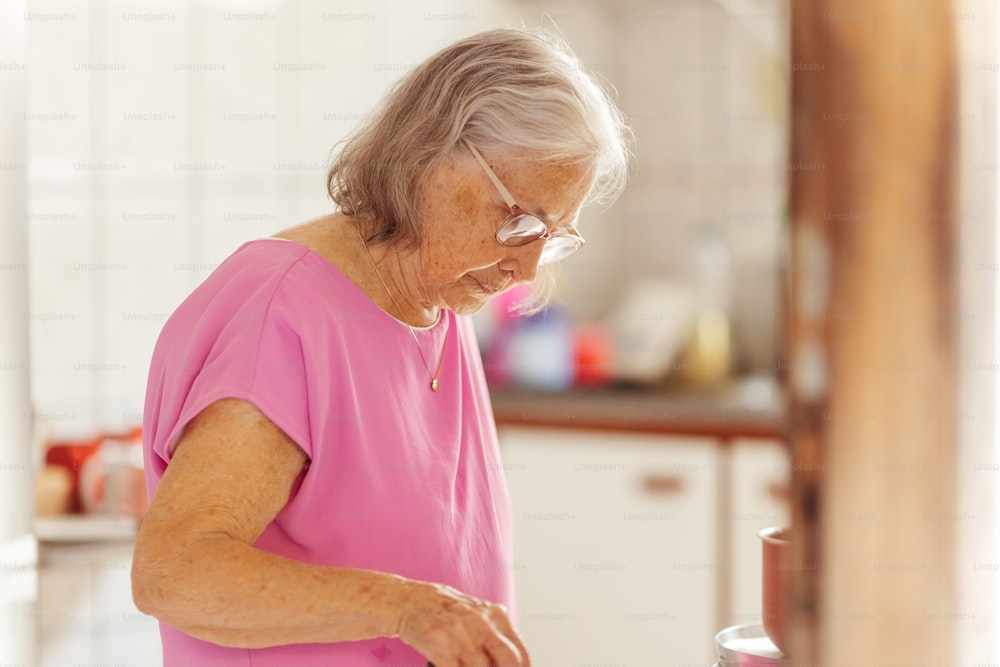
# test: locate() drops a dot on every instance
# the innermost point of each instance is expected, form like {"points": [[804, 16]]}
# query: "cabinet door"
{"points": [[761, 475], [614, 546]]}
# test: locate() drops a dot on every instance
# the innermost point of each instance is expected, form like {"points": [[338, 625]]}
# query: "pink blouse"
{"points": [[401, 479]]}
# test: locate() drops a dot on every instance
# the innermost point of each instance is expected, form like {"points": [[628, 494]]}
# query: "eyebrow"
{"points": [[543, 215]]}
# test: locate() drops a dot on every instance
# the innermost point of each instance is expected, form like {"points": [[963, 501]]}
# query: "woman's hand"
{"points": [[456, 630]]}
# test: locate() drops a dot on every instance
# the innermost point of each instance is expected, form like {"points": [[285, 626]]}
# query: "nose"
{"points": [[522, 261]]}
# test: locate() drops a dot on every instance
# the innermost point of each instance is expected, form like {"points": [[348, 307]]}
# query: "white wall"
{"points": [[18, 548], [15, 410], [978, 556]]}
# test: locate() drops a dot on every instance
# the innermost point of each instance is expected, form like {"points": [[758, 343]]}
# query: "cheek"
{"points": [[469, 228], [466, 242], [453, 258], [458, 237]]}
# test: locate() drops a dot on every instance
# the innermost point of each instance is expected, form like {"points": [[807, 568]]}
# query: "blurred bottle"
{"points": [[593, 355], [53, 490], [496, 326], [541, 353], [707, 358], [111, 481], [72, 455]]}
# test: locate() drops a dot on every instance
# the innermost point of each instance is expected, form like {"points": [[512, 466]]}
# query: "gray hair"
{"points": [[503, 91]]}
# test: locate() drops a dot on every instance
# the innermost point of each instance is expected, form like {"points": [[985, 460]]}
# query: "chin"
{"points": [[468, 303], [467, 307]]}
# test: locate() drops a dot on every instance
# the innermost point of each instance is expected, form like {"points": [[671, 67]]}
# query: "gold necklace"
{"points": [[420, 349]]}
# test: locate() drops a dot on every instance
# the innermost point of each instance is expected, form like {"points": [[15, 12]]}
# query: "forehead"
{"points": [[552, 189]]}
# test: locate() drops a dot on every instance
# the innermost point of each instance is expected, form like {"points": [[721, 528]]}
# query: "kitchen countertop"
{"points": [[74, 529], [752, 407]]}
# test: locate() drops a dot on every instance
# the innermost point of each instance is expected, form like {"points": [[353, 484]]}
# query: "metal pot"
{"points": [[775, 544], [747, 645]]}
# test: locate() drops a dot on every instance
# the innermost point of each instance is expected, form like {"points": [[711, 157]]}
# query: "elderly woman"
{"points": [[320, 450]]}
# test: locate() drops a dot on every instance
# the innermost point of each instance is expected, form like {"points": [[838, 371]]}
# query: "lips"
{"points": [[486, 288]]}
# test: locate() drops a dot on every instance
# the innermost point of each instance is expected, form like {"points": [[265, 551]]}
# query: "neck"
{"points": [[390, 269]]}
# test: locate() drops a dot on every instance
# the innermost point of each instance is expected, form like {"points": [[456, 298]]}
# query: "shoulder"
{"points": [[322, 236], [239, 295], [265, 257], [256, 264]]}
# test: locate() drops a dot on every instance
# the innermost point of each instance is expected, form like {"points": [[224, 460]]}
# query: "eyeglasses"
{"points": [[520, 227]]}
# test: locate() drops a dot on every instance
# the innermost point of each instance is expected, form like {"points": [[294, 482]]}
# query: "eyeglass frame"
{"points": [[570, 233]]}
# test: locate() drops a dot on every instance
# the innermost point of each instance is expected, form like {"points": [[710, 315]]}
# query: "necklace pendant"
{"points": [[434, 384]]}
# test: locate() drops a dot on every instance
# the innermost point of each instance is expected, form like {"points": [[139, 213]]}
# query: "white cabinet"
{"points": [[615, 546], [637, 549], [85, 613]]}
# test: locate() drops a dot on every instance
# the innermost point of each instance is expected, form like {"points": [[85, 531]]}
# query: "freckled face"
{"points": [[462, 263]]}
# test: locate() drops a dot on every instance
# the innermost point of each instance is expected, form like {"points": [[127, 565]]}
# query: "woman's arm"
{"points": [[195, 568]]}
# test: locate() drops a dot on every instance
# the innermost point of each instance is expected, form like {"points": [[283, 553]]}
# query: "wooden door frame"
{"points": [[872, 332]]}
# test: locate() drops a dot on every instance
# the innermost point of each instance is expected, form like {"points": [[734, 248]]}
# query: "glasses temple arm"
{"points": [[507, 197]]}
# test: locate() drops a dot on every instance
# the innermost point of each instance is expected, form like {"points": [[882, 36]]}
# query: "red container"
{"points": [[81, 457], [72, 455], [776, 545], [593, 351]]}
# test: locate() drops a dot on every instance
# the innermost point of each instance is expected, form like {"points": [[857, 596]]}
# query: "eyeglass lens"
{"points": [[558, 248], [521, 229], [525, 228]]}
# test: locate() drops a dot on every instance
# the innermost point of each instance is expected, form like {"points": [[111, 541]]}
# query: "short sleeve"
{"points": [[256, 356]]}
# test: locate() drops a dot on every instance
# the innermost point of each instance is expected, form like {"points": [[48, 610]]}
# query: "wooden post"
{"points": [[871, 330]]}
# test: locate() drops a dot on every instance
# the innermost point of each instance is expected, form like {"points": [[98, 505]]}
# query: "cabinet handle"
{"points": [[662, 484], [779, 491]]}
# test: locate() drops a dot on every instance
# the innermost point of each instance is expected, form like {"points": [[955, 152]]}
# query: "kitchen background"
{"points": [[160, 136]]}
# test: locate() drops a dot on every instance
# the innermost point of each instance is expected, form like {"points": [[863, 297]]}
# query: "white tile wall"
{"points": [[217, 122]]}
